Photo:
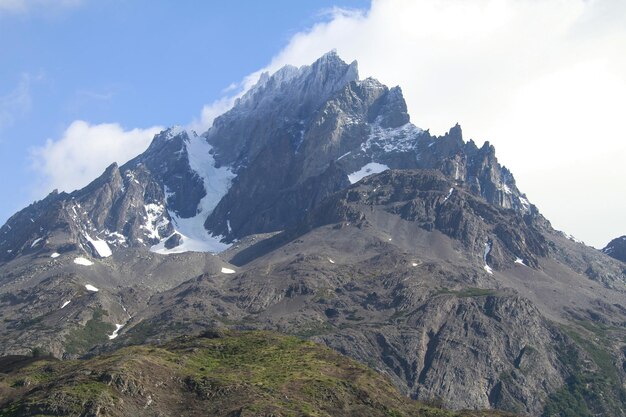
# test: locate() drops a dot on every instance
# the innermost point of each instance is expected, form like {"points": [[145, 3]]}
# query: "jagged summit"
{"points": [[319, 79]]}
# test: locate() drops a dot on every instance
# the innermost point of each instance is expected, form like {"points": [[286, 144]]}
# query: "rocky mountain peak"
{"points": [[320, 79], [289, 98], [317, 208], [295, 138], [616, 248]]}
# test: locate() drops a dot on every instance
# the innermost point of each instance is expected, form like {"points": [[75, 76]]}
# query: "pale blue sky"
{"points": [[138, 63]]}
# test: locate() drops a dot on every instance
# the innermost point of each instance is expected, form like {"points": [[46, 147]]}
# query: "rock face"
{"points": [[314, 207], [616, 249]]}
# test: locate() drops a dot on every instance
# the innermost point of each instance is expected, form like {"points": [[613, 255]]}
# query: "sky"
{"points": [[84, 83]]}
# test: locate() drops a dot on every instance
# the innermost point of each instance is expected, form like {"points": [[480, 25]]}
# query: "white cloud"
{"points": [[25, 6], [545, 82], [211, 111], [218, 107], [84, 151]]}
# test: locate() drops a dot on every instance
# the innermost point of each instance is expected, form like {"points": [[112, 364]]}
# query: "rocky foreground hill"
{"points": [[315, 208], [214, 374]]}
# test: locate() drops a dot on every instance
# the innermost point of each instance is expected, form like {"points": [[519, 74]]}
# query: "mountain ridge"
{"points": [[316, 208]]}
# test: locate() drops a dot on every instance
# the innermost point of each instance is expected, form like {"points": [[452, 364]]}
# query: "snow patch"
{"points": [[525, 203], [344, 155], [91, 288], [369, 169], [227, 271], [115, 237], [414, 264], [331, 261], [83, 261], [573, 239], [449, 194], [217, 181], [65, 304], [399, 139], [36, 241], [102, 248], [154, 220], [520, 261], [55, 255], [485, 254], [117, 329]]}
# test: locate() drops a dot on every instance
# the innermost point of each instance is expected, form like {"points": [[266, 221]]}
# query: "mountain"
{"points": [[616, 249], [314, 207], [234, 374], [292, 140]]}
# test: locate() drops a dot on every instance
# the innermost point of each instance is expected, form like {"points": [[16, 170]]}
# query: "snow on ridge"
{"points": [[217, 182], [117, 329], [101, 247], [368, 169], [91, 288], [174, 131], [525, 203], [400, 139], [82, 261], [573, 239]]}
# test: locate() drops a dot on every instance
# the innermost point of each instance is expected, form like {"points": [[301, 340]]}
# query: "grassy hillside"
{"points": [[229, 374]]}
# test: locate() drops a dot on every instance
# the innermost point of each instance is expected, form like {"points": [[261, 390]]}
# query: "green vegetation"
{"points": [[594, 387], [95, 331], [468, 292], [219, 373]]}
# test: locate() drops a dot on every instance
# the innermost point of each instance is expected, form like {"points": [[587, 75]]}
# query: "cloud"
{"points": [[218, 107], [16, 103], [545, 82], [84, 151], [28, 6], [211, 111]]}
